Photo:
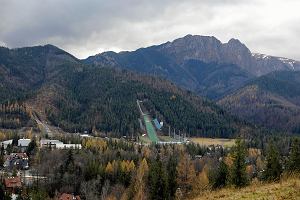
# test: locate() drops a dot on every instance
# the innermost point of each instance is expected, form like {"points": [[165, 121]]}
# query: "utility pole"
{"points": [[174, 133]]}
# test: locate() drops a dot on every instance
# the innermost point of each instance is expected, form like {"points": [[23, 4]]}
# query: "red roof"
{"points": [[66, 196], [16, 155], [12, 182]]}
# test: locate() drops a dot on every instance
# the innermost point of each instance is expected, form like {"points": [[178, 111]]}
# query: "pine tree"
{"points": [[158, 186], [32, 146], [172, 176], [273, 168], [294, 157], [219, 177], [238, 172]]}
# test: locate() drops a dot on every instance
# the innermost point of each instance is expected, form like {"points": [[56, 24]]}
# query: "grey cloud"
{"points": [[85, 27]]}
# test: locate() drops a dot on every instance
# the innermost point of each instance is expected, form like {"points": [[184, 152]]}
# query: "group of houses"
{"points": [[17, 161], [15, 158]]}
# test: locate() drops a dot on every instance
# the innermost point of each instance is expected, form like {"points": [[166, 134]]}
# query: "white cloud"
{"points": [[88, 27]]}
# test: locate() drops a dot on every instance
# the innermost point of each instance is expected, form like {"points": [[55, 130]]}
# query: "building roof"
{"points": [[12, 182], [6, 142], [66, 196], [19, 155], [16, 160], [24, 142], [47, 142], [68, 146]]}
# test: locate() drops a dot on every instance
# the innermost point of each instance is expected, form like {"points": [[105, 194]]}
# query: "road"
{"points": [[44, 125]]}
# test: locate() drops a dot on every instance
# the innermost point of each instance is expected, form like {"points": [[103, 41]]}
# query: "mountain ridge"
{"points": [[79, 97], [169, 60], [271, 100]]}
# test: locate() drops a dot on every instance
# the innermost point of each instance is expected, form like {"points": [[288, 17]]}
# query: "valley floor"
{"points": [[286, 189]]}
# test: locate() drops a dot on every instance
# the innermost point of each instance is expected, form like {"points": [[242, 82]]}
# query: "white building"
{"points": [[48, 143], [68, 146], [5, 143], [23, 142]]}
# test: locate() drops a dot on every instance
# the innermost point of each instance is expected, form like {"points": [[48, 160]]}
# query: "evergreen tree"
{"points": [[238, 172], [273, 168], [294, 157], [158, 186], [172, 176], [219, 177], [3, 195], [31, 147]]}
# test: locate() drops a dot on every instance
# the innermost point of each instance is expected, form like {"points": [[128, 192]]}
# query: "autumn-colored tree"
{"points": [[109, 168], [140, 180], [185, 173], [201, 181], [95, 144]]}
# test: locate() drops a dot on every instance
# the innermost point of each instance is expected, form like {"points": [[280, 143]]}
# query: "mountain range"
{"points": [[196, 84], [79, 97], [201, 64]]}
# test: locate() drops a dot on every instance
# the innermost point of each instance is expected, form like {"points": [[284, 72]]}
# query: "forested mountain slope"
{"points": [[78, 97], [23, 70], [272, 100]]}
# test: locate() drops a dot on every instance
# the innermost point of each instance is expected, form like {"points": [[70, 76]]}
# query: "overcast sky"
{"points": [[88, 27]]}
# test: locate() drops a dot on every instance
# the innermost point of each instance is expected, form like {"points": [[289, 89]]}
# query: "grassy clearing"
{"points": [[214, 141], [167, 139], [285, 189], [145, 139], [150, 129]]}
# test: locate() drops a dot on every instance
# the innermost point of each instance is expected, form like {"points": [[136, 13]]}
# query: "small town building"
{"points": [[6, 143], [68, 146], [23, 144], [12, 183], [49, 143]]}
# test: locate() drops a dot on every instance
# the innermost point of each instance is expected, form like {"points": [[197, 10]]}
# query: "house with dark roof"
{"points": [[16, 161]]}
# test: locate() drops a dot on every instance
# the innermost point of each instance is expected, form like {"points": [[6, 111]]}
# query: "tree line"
{"points": [[117, 169]]}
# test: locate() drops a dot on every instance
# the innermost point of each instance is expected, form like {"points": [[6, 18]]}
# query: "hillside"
{"points": [[78, 97], [286, 189], [271, 100], [25, 69], [185, 61]]}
